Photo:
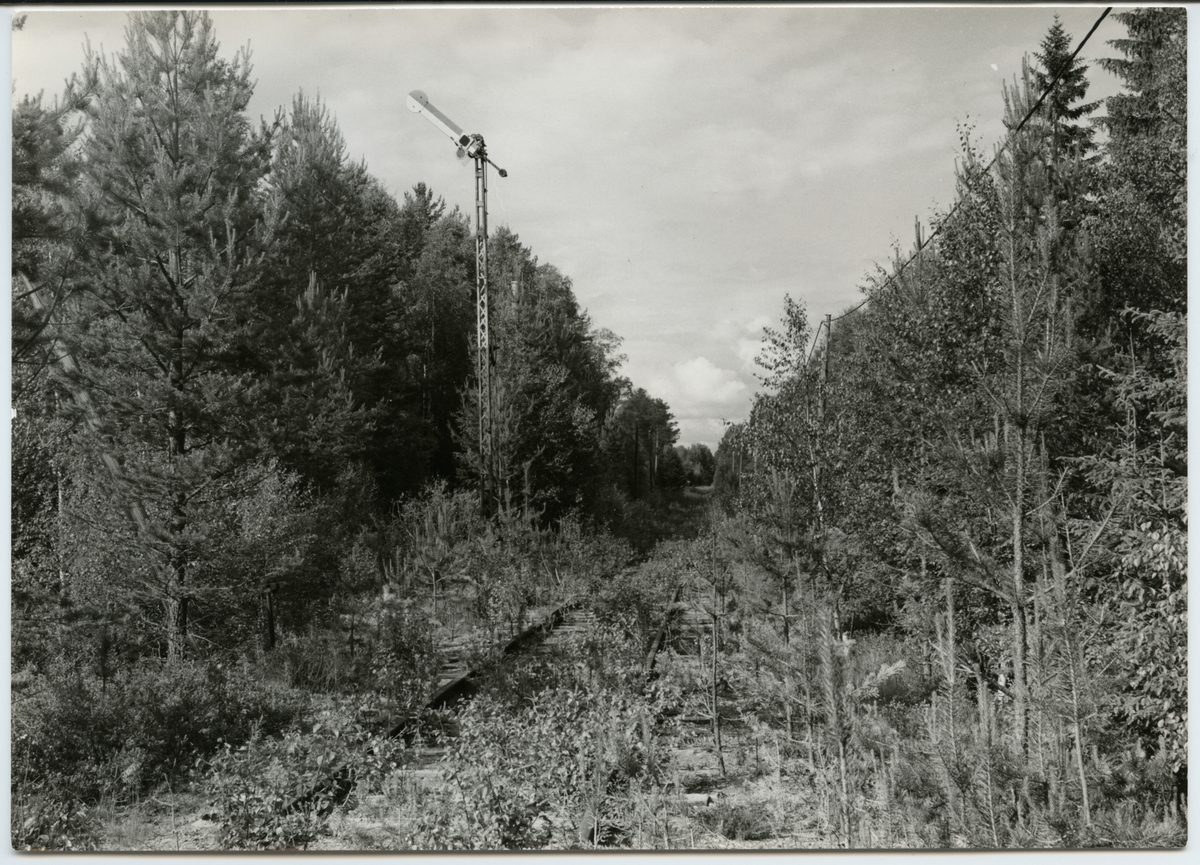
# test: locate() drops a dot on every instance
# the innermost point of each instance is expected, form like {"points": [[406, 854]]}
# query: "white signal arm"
{"points": [[419, 103], [468, 145]]}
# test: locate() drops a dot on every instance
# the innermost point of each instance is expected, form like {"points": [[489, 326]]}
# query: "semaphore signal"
{"points": [[473, 147]]}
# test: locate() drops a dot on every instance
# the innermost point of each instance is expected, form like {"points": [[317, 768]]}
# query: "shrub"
{"points": [[76, 738], [406, 662], [181, 712], [740, 822], [42, 821], [63, 735], [1131, 826], [279, 793], [515, 780], [527, 766], [319, 661], [636, 598]]}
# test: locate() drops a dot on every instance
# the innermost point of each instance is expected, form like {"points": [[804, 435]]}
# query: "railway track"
{"points": [[457, 682], [682, 628]]}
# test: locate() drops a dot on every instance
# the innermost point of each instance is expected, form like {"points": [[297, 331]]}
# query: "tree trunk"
{"points": [[60, 524], [950, 665], [1020, 685], [787, 681], [177, 601], [718, 595], [844, 792], [1017, 603], [271, 618], [786, 616], [635, 460], [716, 716], [177, 627]]}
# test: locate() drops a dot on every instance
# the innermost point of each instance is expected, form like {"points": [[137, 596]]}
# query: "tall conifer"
{"points": [[171, 166], [1064, 107]]}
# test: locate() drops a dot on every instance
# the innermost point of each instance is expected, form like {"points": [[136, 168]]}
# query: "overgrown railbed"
{"points": [[942, 602], [103, 726], [823, 739]]}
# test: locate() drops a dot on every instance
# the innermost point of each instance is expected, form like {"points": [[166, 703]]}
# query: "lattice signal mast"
{"points": [[472, 147]]}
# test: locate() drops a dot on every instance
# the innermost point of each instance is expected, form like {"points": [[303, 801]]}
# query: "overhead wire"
{"points": [[937, 230]]}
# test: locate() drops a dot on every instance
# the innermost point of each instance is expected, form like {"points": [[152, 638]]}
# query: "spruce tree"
{"points": [[1147, 124], [1064, 107], [1140, 468]]}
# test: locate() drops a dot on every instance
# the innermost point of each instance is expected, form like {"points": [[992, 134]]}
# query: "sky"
{"points": [[686, 167]]}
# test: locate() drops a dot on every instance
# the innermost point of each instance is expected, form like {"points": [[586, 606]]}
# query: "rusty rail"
{"points": [[341, 778]]}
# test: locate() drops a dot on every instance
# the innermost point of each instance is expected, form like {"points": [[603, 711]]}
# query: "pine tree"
{"points": [[47, 226], [319, 333], [418, 214], [434, 321], [980, 522], [47, 234], [554, 384], [639, 427], [1038, 275], [171, 167]]}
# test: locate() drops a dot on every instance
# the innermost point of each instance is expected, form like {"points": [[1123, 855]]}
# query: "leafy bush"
{"points": [[279, 793], [63, 738], [43, 821], [530, 762], [406, 662], [636, 598], [319, 661], [152, 721], [513, 782], [63, 734], [178, 713]]}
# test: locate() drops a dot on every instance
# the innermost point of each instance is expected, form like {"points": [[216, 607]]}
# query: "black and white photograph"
{"points": [[598, 428]]}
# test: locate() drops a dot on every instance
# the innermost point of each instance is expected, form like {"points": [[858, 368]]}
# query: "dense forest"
{"points": [[942, 564]]}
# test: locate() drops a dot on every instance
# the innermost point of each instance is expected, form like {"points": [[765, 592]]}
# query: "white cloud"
{"points": [[747, 351], [704, 430], [702, 381], [747, 345], [701, 395]]}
